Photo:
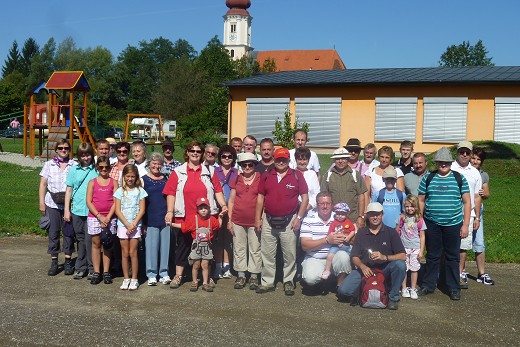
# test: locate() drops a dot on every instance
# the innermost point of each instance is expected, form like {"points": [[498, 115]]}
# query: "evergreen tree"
{"points": [[29, 51], [13, 61]]}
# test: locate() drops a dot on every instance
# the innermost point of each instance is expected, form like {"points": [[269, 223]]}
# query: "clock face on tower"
{"points": [[232, 37]]}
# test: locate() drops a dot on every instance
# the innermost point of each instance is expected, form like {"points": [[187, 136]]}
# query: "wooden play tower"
{"points": [[63, 116]]}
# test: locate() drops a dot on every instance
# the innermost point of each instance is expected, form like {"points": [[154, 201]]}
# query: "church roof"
{"points": [[290, 60]]}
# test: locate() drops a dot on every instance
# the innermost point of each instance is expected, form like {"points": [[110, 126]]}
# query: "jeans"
{"points": [[438, 239], [394, 272], [157, 251]]}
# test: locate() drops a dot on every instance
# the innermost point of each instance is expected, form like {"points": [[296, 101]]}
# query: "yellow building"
{"points": [[429, 106]]}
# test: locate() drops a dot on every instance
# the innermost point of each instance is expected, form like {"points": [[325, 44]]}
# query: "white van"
{"points": [[148, 128]]}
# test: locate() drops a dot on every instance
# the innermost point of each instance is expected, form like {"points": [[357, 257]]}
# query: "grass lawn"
{"points": [[19, 203]]}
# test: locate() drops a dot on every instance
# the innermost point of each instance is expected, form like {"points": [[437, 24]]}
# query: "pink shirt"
{"points": [[102, 197]]}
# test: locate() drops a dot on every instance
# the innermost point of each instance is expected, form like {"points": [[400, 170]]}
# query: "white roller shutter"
{"points": [[395, 119], [445, 119], [323, 117], [507, 120], [262, 113]]}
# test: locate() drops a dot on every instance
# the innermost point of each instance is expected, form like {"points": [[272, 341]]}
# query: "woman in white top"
{"points": [[302, 156], [374, 177]]}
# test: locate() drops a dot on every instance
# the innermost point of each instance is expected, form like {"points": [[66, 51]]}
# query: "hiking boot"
{"points": [[253, 283], [78, 275], [288, 287], [405, 292], [212, 283], [176, 282], [207, 288], [464, 280], [484, 278], [393, 305], [264, 289], [455, 295], [53, 270], [68, 269], [96, 278], [239, 283], [194, 286]]}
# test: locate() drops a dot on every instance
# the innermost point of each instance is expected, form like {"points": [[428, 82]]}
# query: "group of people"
{"points": [[228, 208]]}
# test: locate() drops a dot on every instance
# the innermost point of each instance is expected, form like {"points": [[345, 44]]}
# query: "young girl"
{"points": [[342, 225], [100, 202], [201, 226], [130, 208], [412, 228]]}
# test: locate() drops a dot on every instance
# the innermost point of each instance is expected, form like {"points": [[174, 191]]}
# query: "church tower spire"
{"points": [[237, 28]]}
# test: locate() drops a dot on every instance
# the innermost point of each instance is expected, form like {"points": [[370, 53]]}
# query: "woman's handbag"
{"points": [[58, 198]]}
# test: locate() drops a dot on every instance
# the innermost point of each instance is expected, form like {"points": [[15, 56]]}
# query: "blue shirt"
{"points": [[392, 208], [155, 202], [130, 206], [78, 178]]}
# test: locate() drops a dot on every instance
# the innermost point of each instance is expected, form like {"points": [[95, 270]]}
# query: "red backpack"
{"points": [[372, 292]]}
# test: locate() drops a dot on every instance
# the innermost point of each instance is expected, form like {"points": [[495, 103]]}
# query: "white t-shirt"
{"points": [[474, 179], [314, 162], [314, 186]]}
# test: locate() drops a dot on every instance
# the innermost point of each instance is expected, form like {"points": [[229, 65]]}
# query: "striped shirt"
{"points": [[313, 227], [443, 204]]}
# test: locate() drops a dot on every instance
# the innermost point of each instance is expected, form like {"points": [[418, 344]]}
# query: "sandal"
{"points": [[96, 278], [194, 286], [176, 282], [107, 278], [207, 288]]}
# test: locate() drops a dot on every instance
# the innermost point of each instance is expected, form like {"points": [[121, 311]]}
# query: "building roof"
{"points": [[68, 80], [434, 75], [291, 60]]}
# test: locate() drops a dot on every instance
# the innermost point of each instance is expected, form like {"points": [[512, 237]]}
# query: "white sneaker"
{"points": [[165, 280], [227, 274], [152, 281], [413, 293], [405, 293], [134, 284], [125, 284]]}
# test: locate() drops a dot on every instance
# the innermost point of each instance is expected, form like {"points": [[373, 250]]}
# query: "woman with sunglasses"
{"points": [[52, 184], [122, 150], [226, 172], [242, 205], [185, 185]]}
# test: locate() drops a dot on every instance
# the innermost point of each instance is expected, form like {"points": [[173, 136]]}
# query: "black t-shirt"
{"points": [[262, 168], [387, 242], [404, 168]]}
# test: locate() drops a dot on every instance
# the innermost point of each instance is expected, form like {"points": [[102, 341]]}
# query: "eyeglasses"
{"points": [[325, 203], [211, 153], [354, 150], [226, 156], [167, 149], [195, 151], [464, 152], [244, 165], [103, 167], [122, 151], [62, 148]]}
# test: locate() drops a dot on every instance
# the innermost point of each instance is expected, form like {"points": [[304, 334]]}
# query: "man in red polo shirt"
{"points": [[278, 217]]}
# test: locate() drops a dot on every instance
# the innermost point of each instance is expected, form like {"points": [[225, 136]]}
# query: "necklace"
{"points": [[246, 181]]}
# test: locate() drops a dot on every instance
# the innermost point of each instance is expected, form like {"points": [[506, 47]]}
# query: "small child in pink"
{"points": [[342, 225]]}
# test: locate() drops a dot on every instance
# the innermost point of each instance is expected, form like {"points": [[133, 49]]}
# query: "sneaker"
{"points": [[325, 275], [68, 269], [484, 278], [134, 284], [96, 278], [393, 305], [253, 283], [90, 274], [455, 295], [176, 282], [152, 281], [405, 292], [413, 293], [53, 270], [165, 280], [78, 275], [125, 284], [264, 289], [288, 287], [107, 278], [424, 291], [227, 275], [464, 280], [239, 283]]}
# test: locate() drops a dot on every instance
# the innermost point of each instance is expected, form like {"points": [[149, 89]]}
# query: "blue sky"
{"points": [[367, 34]]}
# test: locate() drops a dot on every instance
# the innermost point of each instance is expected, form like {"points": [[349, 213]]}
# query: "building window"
{"points": [[232, 53], [445, 119], [507, 120], [395, 119], [262, 113], [323, 117], [233, 28]]}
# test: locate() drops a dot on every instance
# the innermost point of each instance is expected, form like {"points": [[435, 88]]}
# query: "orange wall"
{"points": [[358, 108]]}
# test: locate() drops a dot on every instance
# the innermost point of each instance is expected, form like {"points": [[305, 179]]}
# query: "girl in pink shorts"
{"points": [[412, 228], [100, 202]]}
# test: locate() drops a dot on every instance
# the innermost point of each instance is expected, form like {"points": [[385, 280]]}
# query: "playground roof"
{"points": [[68, 80], [41, 87]]}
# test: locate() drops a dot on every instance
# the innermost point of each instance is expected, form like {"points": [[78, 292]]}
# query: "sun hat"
{"points": [[353, 144], [341, 152], [443, 154], [390, 173], [341, 207], [247, 156], [374, 207], [465, 144], [281, 153]]}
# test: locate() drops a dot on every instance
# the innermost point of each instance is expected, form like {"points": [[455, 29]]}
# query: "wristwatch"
{"points": [[299, 218]]}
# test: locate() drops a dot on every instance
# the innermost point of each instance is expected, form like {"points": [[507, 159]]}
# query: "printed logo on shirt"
{"points": [[289, 186]]}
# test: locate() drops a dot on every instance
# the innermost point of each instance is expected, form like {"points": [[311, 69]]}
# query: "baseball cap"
{"points": [[341, 152], [341, 207], [374, 207], [202, 201], [465, 144], [390, 173], [281, 153]]}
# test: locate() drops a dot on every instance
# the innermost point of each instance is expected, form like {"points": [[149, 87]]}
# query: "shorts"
{"points": [[335, 249], [412, 263], [478, 236], [94, 227], [467, 242], [121, 233], [200, 250]]}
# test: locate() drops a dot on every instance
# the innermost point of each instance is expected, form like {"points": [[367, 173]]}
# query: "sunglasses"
{"points": [[62, 148], [122, 151], [167, 148], [103, 167], [195, 151], [244, 165], [226, 156], [211, 153], [464, 152]]}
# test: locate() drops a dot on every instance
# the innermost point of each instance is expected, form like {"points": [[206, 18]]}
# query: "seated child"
{"points": [[201, 227], [341, 224]]}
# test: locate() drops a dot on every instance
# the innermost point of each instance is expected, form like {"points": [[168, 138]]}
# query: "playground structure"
{"points": [[150, 128], [59, 118]]}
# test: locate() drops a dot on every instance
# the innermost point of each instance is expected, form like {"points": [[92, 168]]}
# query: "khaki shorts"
{"points": [[467, 242]]}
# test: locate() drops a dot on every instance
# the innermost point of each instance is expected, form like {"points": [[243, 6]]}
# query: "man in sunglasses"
{"points": [[170, 162], [472, 175]]}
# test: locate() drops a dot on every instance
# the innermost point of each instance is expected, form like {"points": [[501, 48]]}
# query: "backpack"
{"points": [[431, 175], [381, 196], [372, 292]]}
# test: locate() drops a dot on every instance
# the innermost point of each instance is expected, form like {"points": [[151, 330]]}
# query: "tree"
{"points": [[13, 61], [466, 55], [283, 133], [268, 66], [215, 61], [42, 65], [246, 66], [29, 51]]}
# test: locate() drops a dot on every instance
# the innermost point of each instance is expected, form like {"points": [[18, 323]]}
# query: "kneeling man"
{"points": [[377, 246]]}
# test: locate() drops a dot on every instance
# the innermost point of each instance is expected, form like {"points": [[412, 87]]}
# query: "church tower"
{"points": [[237, 28]]}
